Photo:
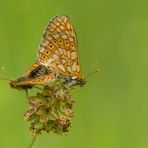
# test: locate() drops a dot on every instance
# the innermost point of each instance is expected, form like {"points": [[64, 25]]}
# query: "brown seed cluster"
{"points": [[50, 111]]}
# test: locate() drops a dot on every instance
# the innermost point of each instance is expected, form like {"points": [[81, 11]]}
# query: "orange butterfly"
{"points": [[57, 57]]}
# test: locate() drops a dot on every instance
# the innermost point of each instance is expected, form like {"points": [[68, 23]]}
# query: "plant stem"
{"points": [[32, 142]]}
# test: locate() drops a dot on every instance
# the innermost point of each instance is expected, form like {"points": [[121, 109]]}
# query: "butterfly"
{"points": [[57, 57]]}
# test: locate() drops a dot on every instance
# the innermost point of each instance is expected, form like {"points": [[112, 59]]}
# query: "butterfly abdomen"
{"points": [[16, 84]]}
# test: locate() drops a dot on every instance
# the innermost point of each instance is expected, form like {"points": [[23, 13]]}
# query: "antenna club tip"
{"points": [[3, 68], [97, 70]]}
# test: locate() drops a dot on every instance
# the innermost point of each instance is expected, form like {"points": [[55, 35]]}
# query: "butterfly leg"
{"points": [[38, 88], [26, 91], [56, 83]]}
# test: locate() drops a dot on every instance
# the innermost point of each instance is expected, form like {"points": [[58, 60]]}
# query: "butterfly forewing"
{"points": [[58, 48]]}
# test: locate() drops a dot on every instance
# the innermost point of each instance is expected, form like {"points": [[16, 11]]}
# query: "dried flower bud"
{"points": [[50, 110]]}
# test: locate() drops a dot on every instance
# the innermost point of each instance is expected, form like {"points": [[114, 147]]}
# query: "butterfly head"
{"points": [[81, 82], [13, 84]]}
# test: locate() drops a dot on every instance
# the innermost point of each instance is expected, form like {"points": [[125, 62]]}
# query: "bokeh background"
{"points": [[111, 111]]}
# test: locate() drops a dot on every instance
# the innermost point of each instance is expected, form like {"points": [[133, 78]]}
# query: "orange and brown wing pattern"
{"points": [[58, 48], [37, 74]]}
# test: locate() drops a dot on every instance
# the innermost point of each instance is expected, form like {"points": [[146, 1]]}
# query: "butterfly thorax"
{"points": [[70, 81]]}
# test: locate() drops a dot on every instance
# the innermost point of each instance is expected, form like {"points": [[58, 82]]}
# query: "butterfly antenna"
{"points": [[5, 79], [93, 70], [3, 69]]}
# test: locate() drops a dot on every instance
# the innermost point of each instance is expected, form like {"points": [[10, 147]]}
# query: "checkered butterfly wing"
{"points": [[58, 48]]}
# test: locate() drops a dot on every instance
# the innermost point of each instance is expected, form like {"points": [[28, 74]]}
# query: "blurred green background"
{"points": [[111, 111]]}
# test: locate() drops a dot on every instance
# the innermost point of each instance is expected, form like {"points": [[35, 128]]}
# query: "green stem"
{"points": [[32, 142]]}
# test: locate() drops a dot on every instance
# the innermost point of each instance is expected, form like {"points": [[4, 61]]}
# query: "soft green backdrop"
{"points": [[111, 111]]}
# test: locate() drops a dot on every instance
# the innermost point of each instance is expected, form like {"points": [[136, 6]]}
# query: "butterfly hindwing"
{"points": [[58, 48]]}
